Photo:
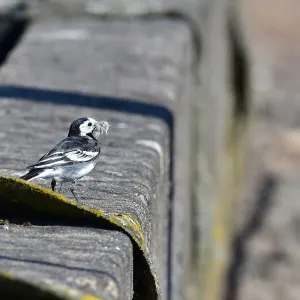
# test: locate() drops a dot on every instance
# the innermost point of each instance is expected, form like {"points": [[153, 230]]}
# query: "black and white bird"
{"points": [[73, 157]]}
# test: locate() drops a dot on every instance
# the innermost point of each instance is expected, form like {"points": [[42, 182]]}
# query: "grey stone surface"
{"points": [[149, 61], [128, 176], [97, 262], [8, 6], [137, 59], [146, 60]]}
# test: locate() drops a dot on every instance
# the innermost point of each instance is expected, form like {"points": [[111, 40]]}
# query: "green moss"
{"points": [[54, 204], [4, 222], [132, 226], [44, 202], [90, 297]]}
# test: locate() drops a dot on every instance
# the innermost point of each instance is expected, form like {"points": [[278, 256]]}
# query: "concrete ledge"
{"points": [[63, 70], [96, 262], [125, 179]]}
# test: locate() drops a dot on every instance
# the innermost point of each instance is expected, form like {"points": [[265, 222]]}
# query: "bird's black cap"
{"points": [[74, 128]]}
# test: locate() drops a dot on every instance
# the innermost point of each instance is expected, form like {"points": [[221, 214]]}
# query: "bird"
{"points": [[73, 157]]}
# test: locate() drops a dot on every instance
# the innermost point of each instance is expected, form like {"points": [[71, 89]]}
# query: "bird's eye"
{"points": [[90, 124]]}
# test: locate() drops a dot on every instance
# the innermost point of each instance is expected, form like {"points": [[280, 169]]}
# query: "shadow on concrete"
{"points": [[11, 32], [57, 265], [262, 205], [78, 99]]}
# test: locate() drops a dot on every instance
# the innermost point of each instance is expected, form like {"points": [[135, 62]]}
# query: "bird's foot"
{"points": [[73, 191], [60, 187], [53, 184]]}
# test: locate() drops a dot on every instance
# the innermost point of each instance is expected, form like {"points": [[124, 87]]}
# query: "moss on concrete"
{"points": [[44, 201]]}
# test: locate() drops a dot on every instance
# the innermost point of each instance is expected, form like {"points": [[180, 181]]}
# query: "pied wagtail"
{"points": [[73, 157]]}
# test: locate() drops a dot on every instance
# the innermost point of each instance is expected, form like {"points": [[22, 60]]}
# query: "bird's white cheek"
{"points": [[83, 128]]}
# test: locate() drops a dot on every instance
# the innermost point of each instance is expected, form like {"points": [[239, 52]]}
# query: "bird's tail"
{"points": [[33, 173]]}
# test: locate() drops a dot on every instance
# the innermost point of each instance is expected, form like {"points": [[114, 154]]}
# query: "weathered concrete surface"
{"points": [[129, 174], [94, 261], [141, 60], [149, 61]]}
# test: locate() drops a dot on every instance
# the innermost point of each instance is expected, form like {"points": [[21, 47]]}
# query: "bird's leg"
{"points": [[72, 190], [61, 183], [53, 184]]}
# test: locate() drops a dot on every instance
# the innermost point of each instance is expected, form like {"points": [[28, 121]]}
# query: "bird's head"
{"points": [[88, 127]]}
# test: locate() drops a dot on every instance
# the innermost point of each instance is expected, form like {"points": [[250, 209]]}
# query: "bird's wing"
{"points": [[55, 158]]}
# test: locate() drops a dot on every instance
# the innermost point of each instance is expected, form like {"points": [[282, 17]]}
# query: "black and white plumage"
{"points": [[73, 157]]}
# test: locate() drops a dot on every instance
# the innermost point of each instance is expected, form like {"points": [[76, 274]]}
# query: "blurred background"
{"points": [[267, 242]]}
